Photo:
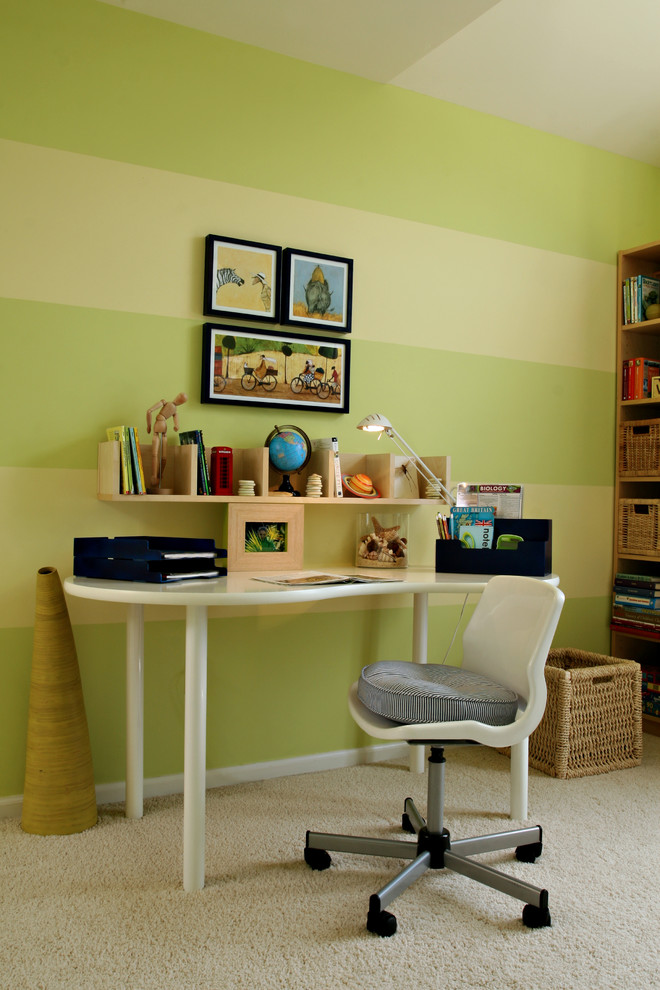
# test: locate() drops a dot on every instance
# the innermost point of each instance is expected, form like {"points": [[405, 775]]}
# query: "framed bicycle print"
{"points": [[317, 291], [242, 279], [246, 367]]}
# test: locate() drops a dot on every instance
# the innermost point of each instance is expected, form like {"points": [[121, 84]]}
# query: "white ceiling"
{"points": [[587, 70]]}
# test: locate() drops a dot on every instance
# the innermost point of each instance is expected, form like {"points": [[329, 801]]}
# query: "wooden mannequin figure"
{"points": [[159, 442]]}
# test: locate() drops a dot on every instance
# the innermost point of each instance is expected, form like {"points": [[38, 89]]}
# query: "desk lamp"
{"points": [[375, 423]]}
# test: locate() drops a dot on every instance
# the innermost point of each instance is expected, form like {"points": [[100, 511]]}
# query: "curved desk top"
{"points": [[242, 588]]}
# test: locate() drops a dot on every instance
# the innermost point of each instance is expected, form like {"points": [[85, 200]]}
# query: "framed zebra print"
{"points": [[317, 291], [242, 279], [244, 366]]}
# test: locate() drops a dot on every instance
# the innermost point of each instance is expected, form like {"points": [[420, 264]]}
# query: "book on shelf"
{"points": [[136, 461], [643, 370], [643, 629], [651, 691], [131, 474], [644, 618], [646, 581], [331, 443], [203, 479], [639, 291], [625, 380], [641, 601], [637, 376]]}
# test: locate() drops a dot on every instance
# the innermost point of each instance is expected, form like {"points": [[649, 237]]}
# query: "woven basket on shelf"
{"points": [[639, 525], [593, 717], [639, 448]]}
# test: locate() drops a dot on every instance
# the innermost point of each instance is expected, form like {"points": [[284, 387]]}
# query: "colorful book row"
{"points": [[203, 479], [639, 292], [131, 476], [636, 604], [637, 375]]}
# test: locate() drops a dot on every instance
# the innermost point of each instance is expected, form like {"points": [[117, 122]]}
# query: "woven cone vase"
{"points": [[58, 796]]}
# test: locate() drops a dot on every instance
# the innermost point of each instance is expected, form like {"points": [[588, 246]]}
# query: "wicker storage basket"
{"points": [[593, 717], [639, 448], [639, 525]]}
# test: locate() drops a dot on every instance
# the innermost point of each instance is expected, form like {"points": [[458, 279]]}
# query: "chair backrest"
{"points": [[510, 633]]}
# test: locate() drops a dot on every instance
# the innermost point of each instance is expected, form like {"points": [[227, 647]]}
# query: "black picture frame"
{"points": [[236, 363], [325, 281], [252, 290]]}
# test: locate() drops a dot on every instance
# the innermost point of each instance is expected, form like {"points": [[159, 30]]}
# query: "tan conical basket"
{"points": [[58, 796]]}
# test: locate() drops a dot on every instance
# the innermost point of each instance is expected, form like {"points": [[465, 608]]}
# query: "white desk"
{"points": [[241, 589]]}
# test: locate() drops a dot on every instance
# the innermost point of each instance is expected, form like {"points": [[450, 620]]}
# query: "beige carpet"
{"points": [[105, 908]]}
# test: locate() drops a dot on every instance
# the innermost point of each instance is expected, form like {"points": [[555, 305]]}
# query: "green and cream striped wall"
{"points": [[484, 297]]}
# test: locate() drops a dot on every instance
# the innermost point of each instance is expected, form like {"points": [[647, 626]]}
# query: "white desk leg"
{"points": [[134, 711], [519, 775], [194, 769], [419, 655]]}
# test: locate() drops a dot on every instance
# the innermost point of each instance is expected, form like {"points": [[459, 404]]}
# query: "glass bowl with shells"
{"points": [[382, 540]]}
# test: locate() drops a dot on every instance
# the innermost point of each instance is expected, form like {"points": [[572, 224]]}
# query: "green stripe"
{"points": [[104, 81], [498, 418], [272, 681]]}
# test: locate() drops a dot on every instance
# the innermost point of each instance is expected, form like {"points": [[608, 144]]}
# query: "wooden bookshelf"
{"points": [[637, 487]]}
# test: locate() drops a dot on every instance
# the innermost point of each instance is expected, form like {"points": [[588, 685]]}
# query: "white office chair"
{"points": [[496, 698]]}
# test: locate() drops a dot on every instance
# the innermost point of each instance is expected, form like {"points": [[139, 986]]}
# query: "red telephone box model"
{"points": [[221, 470]]}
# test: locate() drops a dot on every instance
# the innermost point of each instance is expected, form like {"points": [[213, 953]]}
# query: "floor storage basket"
{"points": [[593, 717]]}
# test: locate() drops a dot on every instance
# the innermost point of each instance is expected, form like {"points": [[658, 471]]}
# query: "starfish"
{"points": [[382, 533]]}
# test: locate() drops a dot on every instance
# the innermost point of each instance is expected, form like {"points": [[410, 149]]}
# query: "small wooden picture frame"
{"points": [[264, 537], [655, 388]]}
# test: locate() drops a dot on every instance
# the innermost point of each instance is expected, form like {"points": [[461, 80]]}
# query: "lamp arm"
{"points": [[419, 464]]}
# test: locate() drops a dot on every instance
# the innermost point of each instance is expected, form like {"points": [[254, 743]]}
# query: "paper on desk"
{"points": [[306, 579]]}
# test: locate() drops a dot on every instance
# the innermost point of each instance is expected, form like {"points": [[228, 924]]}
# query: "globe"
{"points": [[289, 449]]}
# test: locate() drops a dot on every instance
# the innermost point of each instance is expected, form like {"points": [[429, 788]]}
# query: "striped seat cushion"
{"points": [[413, 693]]}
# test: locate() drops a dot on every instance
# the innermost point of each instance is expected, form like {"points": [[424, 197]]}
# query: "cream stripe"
{"points": [[86, 231], [33, 498]]}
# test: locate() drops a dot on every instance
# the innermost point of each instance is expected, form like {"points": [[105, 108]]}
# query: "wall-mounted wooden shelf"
{"points": [[181, 476]]}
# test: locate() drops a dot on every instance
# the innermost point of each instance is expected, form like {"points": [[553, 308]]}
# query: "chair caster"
{"points": [[318, 859], [381, 923], [529, 853], [536, 917]]}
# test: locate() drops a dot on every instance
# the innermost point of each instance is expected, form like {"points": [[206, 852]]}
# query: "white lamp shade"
{"points": [[374, 423]]}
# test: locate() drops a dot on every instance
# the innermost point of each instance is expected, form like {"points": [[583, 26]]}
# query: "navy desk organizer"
{"points": [[154, 559], [532, 557]]}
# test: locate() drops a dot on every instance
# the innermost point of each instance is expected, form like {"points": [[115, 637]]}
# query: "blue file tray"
{"points": [[532, 557], [154, 559]]}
